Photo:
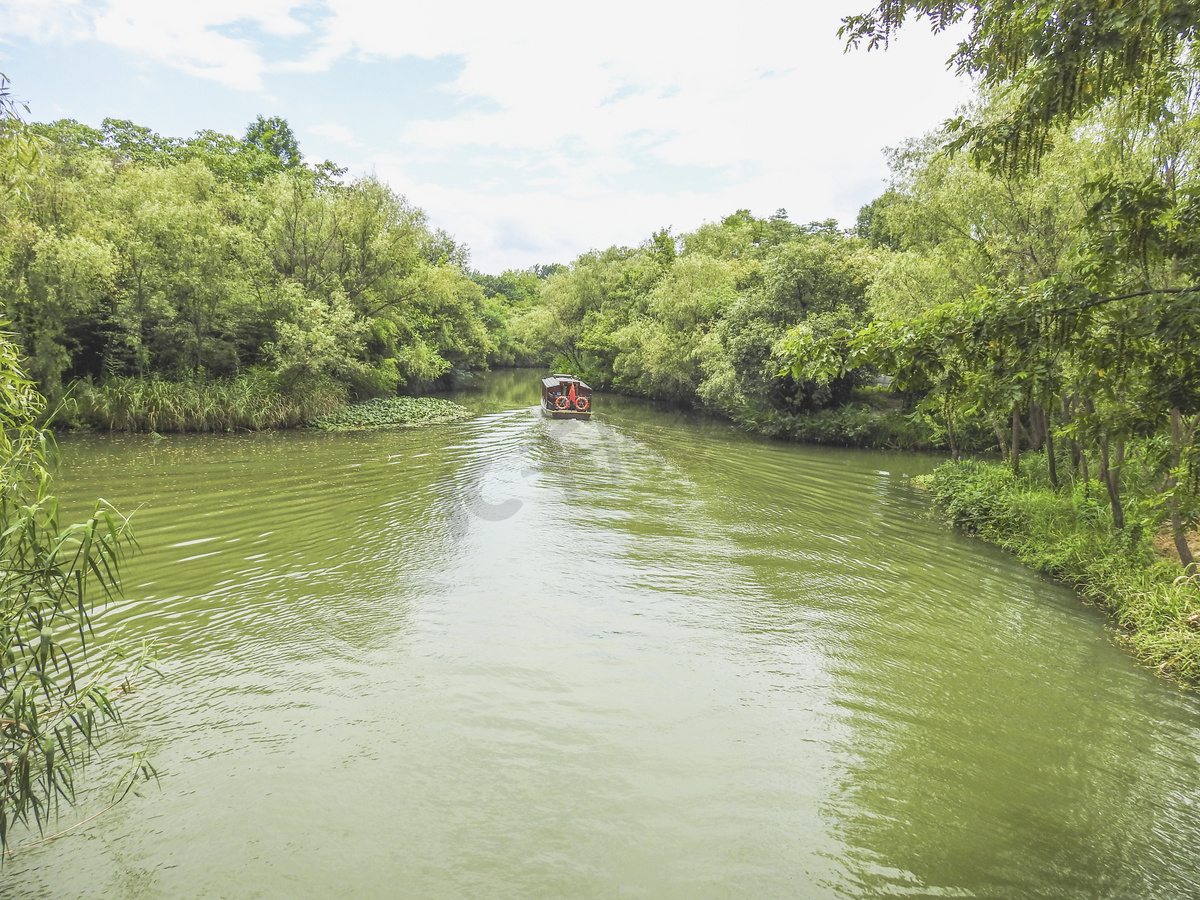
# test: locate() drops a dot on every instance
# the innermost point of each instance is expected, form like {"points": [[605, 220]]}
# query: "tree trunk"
{"points": [[1178, 528], [1051, 461], [1015, 452], [1037, 426], [1001, 437], [1068, 408], [1110, 474], [1110, 471], [949, 416]]}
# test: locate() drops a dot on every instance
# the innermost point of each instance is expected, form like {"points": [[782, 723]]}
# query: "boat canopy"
{"points": [[554, 381]]}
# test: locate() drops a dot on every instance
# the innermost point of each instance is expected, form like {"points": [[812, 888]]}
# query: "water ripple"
{"points": [[643, 654]]}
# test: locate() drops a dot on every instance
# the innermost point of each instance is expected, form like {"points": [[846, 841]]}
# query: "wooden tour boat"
{"points": [[566, 397]]}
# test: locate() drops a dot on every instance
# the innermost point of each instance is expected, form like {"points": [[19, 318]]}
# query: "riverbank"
{"points": [[253, 401], [1068, 535]]}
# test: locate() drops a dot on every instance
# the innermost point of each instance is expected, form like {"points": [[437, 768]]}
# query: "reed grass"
{"points": [[1068, 535], [252, 401]]}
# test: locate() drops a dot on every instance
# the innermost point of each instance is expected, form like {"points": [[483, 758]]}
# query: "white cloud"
{"points": [[191, 37], [765, 102], [338, 133], [44, 21], [587, 124]]}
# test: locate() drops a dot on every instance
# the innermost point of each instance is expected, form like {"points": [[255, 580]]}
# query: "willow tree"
{"points": [[1056, 61], [1115, 326], [56, 685], [19, 149]]}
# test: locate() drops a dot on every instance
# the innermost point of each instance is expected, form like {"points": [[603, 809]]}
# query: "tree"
{"points": [[54, 680], [19, 150], [1055, 60], [815, 282], [584, 307], [1103, 322], [240, 162], [873, 225], [275, 136], [661, 349], [137, 143]]}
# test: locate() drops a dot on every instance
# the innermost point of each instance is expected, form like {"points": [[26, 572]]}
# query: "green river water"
{"points": [[644, 656]]}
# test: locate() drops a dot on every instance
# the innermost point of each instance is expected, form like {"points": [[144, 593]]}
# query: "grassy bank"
{"points": [[1068, 535], [253, 401]]}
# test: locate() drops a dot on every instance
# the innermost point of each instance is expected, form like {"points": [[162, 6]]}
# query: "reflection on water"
{"points": [[640, 656]]}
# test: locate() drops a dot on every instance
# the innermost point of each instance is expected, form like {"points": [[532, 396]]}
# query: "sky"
{"points": [[530, 131]]}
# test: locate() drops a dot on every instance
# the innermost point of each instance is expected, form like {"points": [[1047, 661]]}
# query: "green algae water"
{"points": [[643, 656]]}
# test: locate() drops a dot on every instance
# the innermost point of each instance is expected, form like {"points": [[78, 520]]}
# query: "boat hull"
{"points": [[565, 413]]}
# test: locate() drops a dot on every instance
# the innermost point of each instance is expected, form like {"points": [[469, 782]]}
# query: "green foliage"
{"points": [[519, 289], [20, 156], [1068, 308], [852, 425], [56, 683], [241, 163], [583, 308], [695, 319], [274, 136], [193, 262], [1068, 535], [661, 351], [813, 283], [252, 401], [874, 223], [1057, 61], [506, 299], [396, 412]]}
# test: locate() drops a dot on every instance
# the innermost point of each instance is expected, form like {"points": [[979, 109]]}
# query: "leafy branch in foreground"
{"points": [[1057, 61], [54, 701]]}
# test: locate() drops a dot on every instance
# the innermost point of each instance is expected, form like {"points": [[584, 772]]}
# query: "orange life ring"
{"points": [[563, 402], [581, 404]]}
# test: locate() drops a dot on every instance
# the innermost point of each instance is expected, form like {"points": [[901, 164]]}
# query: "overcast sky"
{"points": [[530, 131]]}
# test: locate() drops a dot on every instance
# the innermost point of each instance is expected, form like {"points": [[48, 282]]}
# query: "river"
{"points": [[644, 656]]}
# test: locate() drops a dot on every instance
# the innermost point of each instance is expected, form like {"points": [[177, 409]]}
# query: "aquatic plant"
{"points": [[392, 412]]}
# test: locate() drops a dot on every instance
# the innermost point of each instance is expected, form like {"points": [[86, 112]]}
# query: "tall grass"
{"points": [[249, 402], [1068, 535]]}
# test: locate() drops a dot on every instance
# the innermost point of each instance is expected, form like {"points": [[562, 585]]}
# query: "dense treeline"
{"points": [[172, 280], [1034, 293], [1028, 281], [1070, 228], [697, 319]]}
